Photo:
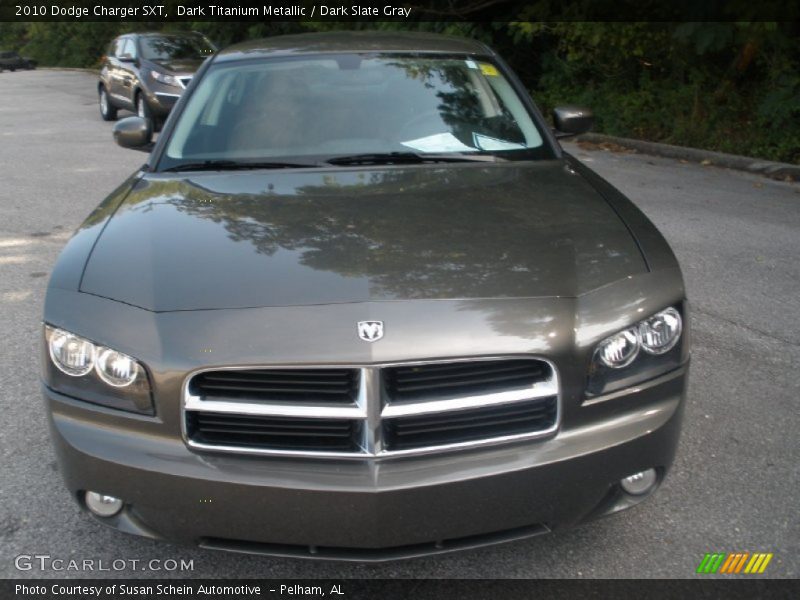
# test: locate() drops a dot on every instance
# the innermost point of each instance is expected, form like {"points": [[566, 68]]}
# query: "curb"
{"points": [[774, 170]]}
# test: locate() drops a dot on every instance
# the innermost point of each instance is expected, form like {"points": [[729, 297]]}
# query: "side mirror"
{"points": [[126, 58], [133, 132], [572, 120]]}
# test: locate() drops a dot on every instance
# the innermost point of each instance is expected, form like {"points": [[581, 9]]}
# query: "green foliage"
{"points": [[730, 86]]}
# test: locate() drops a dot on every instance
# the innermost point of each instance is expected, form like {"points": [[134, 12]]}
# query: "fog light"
{"points": [[103, 505], [639, 483]]}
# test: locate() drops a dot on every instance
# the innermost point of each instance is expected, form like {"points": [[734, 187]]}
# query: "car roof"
{"points": [[353, 41]]}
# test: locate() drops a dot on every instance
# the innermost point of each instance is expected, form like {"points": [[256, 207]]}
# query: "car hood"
{"points": [[320, 236]]}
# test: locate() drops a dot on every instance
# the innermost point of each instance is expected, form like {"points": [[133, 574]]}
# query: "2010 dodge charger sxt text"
{"points": [[359, 304]]}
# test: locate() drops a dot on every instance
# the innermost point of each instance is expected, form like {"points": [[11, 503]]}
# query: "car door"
{"points": [[127, 70], [106, 65], [111, 71]]}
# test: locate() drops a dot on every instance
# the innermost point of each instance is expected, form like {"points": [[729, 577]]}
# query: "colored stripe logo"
{"points": [[734, 562]]}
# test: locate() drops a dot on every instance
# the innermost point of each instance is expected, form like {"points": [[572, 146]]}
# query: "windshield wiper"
{"points": [[234, 165], [388, 158]]}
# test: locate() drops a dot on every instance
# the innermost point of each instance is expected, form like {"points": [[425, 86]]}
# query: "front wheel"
{"points": [[107, 111], [143, 111]]}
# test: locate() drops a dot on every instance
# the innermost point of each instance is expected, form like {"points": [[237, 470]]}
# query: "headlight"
{"points": [[660, 332], [115, 368], [71, 354], [87, 371], [619, 350], [646, 350], [164, 78]]}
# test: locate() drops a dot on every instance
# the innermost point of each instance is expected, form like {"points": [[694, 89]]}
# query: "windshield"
{"points": [[351, 104], [175, 47]]}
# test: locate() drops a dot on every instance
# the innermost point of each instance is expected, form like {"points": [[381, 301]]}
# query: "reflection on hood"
{"points": [[227, 240]]}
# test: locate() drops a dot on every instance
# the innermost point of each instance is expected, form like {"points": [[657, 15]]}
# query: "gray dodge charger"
{"points": [[359, 304]]}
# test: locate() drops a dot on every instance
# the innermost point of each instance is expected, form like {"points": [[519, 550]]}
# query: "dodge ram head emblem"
{"points": [[370, 331]]}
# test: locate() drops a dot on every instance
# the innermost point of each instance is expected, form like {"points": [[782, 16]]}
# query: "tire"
{"points": [[143, 111], [108, 111]]}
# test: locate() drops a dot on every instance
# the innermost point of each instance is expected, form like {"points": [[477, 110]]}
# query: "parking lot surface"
{"points": [[734, 486]]}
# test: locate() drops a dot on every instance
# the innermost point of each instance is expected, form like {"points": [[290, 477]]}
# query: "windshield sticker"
{"points": [[484, 142], [440, 142], [471, 64], [489, 70]]}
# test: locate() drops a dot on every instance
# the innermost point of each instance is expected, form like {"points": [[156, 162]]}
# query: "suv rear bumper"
{"points": [[368, 509]]}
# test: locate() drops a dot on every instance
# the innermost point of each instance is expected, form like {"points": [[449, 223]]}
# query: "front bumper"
{"points": [[371, 509], [161, 98], [161, 103]]}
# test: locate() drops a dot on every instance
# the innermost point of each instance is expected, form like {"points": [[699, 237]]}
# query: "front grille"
{"points": [[454, 427], [279, 433], [444, 380], [371, 410], [278, 385]]}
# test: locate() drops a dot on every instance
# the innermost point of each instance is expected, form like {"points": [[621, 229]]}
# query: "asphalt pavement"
{"points": [[736, 481]]}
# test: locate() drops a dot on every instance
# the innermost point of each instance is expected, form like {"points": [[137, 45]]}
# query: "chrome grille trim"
{"points": [[539, 390], [372, 406], [193, 403]]}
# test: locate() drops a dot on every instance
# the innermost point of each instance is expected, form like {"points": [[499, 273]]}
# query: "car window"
{"points": [[175, 47], [128, 49], [118, 46], [351, 103]]}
